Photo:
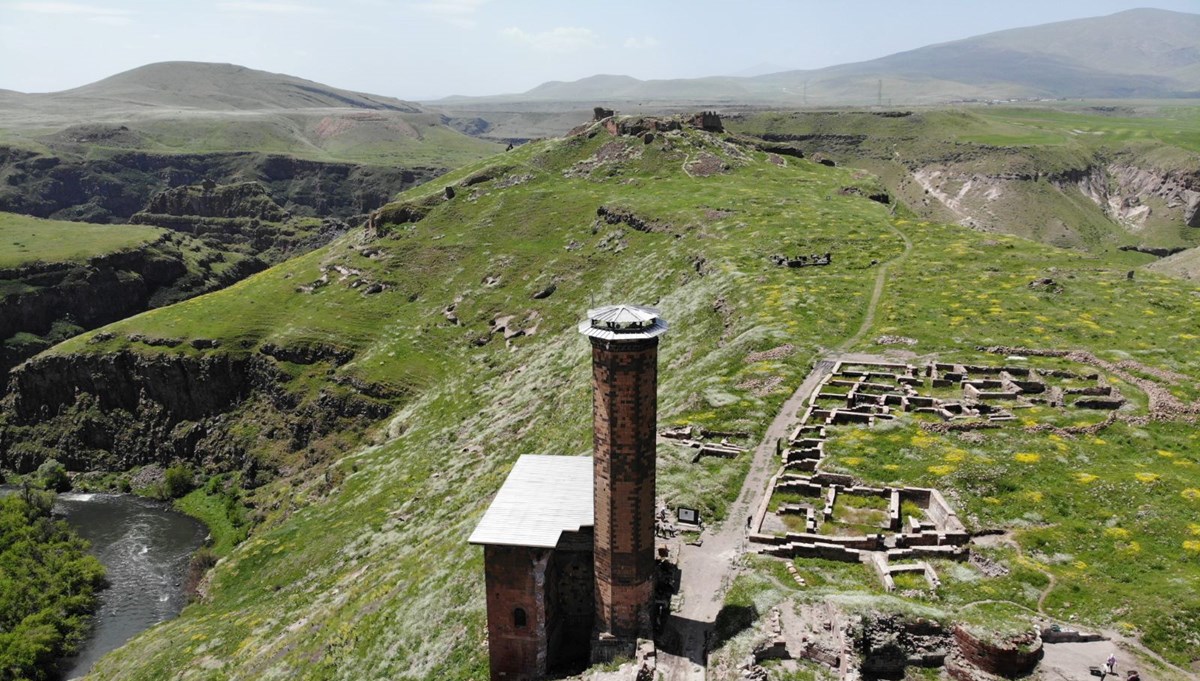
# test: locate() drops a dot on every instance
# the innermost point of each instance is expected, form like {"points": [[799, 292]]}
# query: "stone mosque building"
{"points": [[569, 541]]}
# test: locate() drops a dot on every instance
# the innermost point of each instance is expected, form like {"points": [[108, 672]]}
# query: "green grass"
{"points": [[910, 581], [1015, 170], [411, 585], [358, 567], [26, 239], [374, 138], [1168, 126], [226, 523]]}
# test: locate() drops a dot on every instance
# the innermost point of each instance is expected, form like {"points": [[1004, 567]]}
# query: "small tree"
{"points": [[52, 475], [178, 481]]}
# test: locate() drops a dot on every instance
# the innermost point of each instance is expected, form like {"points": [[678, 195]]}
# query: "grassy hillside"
{"points": [[1095, 178], [1185, 264], [358, 567], [28, 240], [208, 86], [331, 135], [202, 108]]}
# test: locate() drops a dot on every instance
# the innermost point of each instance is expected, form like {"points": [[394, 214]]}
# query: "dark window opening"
{"points": [[519, 617]]}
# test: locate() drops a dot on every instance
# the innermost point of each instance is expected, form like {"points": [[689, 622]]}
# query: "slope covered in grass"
{"points": [[28, 240], [1094, 178], [359, 567]]}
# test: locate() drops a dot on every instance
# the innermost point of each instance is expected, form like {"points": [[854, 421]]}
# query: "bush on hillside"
{"points": [[178, 481], [52, 475]]}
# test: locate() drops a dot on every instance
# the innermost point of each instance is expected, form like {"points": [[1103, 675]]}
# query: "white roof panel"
{"points": [[543, 497], [625, 322]]}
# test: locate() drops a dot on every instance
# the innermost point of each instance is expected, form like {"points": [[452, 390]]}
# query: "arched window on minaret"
{"points": [[519, 617]]}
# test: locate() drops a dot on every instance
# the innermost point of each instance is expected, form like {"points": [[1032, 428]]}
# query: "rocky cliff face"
{"points": [[1122, 191], [1127, 194], [210, 200], [112, 189], [129, 407], [45, 303], [238, 217]]}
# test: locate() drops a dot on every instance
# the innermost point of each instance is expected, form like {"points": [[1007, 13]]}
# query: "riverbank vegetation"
{"points": [[48, 586]]}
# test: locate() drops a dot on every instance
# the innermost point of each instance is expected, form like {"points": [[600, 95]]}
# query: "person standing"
{"points": [[1111, 663]]}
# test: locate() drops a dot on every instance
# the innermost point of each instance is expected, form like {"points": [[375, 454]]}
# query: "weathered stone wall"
{"points": [[515, 579], [1011, 657], [570, 601]]}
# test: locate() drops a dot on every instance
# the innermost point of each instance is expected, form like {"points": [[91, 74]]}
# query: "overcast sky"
{"points": [[423, 49]]}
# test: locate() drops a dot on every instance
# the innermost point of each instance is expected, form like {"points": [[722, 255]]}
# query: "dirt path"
{"points": [[877, 293], [709, 569]]}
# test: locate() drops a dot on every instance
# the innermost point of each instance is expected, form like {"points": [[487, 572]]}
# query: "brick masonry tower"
{"points": [[625, 408]]}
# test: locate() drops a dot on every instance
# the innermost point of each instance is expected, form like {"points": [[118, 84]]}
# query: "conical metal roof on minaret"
{"points": [[623, 322]]}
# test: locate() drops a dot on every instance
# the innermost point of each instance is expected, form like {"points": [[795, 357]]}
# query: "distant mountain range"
{"points": [[1141, 53], [202, 86]]}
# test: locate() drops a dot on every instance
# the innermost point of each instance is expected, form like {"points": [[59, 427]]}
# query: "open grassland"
{"points": [[25, 239], [1077, 176], [1161, 126], [327, 135], [1111, 515], [359, 568]]}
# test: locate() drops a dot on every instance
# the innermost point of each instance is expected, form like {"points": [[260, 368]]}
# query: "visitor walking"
{"points": [[1111, 663]]}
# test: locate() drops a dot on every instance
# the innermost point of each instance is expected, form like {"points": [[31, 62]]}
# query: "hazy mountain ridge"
{"points": [[1137, 53], [210, 87]]}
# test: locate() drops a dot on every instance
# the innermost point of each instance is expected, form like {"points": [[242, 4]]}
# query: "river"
{"points": [[145, 547]]}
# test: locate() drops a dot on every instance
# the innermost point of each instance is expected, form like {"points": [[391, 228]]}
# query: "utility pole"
{"points": [[879, 97]]}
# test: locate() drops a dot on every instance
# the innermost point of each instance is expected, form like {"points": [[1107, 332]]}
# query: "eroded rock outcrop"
{"points": [[1123, 191], [210, 200], [116, 410], [49, 302], [238, 217], [113, 188]]}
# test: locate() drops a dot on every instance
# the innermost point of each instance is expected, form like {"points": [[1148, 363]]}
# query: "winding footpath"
{"points": [[877, 293], [708, 569]]}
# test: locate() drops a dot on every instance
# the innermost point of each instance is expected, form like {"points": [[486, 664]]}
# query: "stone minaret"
{"points": [[625, 407]]}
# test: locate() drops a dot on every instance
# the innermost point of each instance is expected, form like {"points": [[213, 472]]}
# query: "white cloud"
{"points": [[100, 15], [560, 39], [457, 12], [268, 7], [645, 42]]}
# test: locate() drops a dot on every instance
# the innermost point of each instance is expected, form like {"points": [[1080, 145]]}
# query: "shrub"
{"points": [[177, 481], [52, 475]]}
